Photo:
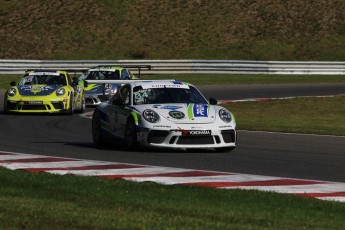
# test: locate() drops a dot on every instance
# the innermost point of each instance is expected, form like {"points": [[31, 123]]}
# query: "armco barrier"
{"points": [[9, 66]]}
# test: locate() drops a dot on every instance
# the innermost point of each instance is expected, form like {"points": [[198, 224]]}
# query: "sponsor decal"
{"points": [[200, 110], [33, 102], [196, 127], [44, 73], [177, 114], [196, 132], [36, 89], [173, 85], [169, 107], [197, 110], [162, 126]]}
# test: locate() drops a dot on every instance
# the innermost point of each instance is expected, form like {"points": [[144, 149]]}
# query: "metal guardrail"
{"points": [[9, 66]]}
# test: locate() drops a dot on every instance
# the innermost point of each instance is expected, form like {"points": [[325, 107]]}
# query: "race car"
{"points": [[97, 93], [163, 113], [45, 91]]}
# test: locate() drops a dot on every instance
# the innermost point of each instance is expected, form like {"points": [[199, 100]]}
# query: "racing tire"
{"points": [[71, 108], [97, 133], [131, 135], [83, 105], [5, 106]]}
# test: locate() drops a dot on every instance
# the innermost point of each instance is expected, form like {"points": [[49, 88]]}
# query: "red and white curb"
{"points": [[166, 175]]}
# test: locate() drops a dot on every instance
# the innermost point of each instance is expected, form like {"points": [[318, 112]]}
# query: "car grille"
{"points": [[195, 140], [228, 136], [89, 101], [103, 97], [34, 107], [157, 136], [58, 105], [11, 106]]}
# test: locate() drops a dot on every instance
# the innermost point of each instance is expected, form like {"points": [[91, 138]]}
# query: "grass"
{"points": [[119, 29], [46, 201], [302, 115]]}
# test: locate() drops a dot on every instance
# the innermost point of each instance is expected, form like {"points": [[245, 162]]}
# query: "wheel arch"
{"points": [[136, 118]]}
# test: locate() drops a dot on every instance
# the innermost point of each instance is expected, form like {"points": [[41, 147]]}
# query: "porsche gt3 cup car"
{"points": [[164, 113], [45, 91], [97, 93]]}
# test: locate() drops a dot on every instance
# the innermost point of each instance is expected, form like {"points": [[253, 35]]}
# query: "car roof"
{"points": [[106, 68], [45, 71]]}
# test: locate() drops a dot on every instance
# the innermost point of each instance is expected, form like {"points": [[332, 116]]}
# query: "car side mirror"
{"points": [[86, 84], [13, 83], [213, 101]]}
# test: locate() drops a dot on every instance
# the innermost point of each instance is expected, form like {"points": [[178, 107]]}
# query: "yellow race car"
{"points": [[45, 91]]}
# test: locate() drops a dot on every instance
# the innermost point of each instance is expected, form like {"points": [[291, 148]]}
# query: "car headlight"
{"points": [[150, 116], [225, 115], [60, 91], [11, 92]]}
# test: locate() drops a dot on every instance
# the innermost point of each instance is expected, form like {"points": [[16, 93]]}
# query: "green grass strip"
{"points": [[46, 201], [321, 115]]}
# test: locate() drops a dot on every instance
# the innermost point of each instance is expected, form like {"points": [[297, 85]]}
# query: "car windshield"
{"points": [[101, 75], [43, 79], [167, 95]]}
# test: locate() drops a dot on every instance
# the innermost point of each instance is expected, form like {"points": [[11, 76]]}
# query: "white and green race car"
{"points": [[163, 113], [97, 93]]}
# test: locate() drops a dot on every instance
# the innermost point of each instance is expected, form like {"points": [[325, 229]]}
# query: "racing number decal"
{"points": [[197, 110]]}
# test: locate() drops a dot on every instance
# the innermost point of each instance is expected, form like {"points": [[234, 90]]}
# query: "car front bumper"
{"points": [[182, 139]]}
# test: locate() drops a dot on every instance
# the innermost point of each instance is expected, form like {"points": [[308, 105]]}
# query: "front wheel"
{"points": [[82, 105], [131, 134], [97, 134], [71, 106], [5, 105]]}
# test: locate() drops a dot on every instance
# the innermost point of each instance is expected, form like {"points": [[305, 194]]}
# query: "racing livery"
{"points": [[97, 93], [45, 91], [164, 113]]}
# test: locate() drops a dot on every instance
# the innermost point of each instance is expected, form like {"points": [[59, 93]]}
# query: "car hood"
{"points": [[94, 88], [186, 113], [37, 90], [98, 88]]}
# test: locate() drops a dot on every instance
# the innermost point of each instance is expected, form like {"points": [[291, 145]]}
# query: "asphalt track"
{"points": [[272, 154]]}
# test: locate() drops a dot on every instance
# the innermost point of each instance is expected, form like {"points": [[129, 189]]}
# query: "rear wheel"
{"points": [[97, 134], [131, 134]]}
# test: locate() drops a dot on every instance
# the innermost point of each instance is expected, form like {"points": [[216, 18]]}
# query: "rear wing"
{"points": [[139, 67], [123, 81]]}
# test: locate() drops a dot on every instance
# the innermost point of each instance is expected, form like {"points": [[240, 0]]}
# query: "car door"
{"points": [[77, 92], [118, 111]]}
